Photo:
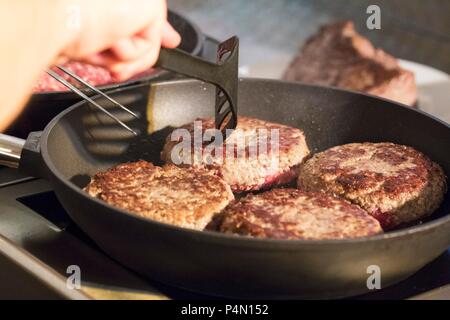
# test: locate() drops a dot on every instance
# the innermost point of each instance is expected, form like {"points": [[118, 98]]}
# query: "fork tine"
{"points": [[227, 92], [85, 97], [73, 75]]}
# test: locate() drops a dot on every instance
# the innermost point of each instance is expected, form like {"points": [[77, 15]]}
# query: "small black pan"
{"points": [[42, 107], [80, 141]]}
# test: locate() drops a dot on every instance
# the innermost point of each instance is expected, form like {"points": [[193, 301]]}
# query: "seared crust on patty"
{"points": [[184, 197], [396, 184], [247, 169], [297, 214]]}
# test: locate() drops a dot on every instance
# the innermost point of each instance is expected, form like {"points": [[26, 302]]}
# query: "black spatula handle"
{"points": [[181, 62], [224, 75]]}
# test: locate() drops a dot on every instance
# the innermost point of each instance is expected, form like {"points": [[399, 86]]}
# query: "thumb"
{"points": [[170, 37]]}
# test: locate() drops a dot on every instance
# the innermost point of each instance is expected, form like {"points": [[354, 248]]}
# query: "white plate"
{"points": [[433, 85]]}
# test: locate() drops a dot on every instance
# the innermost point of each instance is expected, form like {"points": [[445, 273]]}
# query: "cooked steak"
{"points": [[184, 197], [338, 56], [394, 183], [296, 214], [245, 167]]}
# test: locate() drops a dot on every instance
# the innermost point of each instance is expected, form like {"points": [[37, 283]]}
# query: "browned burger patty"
{"points": [[246, 170], [184, 197], [394, 183], [297, 214]]}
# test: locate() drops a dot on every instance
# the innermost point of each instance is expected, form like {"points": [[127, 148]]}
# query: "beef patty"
{"points": [[297, 214], [248, 168], [395, 184], [94, 75], [184, 197]]}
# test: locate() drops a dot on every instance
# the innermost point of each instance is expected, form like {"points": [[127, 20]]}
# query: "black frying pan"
{"points": [[42, 107], [80, 141]]}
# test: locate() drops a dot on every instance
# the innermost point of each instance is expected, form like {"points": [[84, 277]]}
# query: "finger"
{"points": [[131, 48], [125, 70], [170, 37], [153, 34], [104, 22], [122, 70], [105, 59], [60, 60]]}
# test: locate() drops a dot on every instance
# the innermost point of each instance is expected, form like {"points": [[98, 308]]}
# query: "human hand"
{"points": [[123, 36]]}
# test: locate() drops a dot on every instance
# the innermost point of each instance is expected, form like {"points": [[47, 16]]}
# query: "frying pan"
{"points": [[43, 106], [81, 141]]}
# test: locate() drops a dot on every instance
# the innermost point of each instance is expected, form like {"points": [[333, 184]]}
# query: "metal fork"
{"points": [[223, 74], [87, 98]]}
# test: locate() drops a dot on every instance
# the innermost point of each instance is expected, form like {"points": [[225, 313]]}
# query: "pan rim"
{"points": [[264, 243]]}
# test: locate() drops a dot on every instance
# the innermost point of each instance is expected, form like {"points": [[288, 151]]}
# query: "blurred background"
{"points": [[417, 30]]}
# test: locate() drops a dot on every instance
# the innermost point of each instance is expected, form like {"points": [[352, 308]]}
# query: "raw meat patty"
{"points": [[94, 75]]}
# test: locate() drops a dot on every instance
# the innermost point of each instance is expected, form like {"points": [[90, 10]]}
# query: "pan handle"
{"points": [[24, 155], [10, 150]]}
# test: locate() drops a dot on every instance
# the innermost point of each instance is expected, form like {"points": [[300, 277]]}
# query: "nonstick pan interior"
{"points": [[81, 141]]}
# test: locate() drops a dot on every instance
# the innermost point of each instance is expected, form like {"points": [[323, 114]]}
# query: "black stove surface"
{"points": [[433, 276]]}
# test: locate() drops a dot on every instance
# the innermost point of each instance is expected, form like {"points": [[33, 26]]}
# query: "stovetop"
{"points": [[39, 240]]}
